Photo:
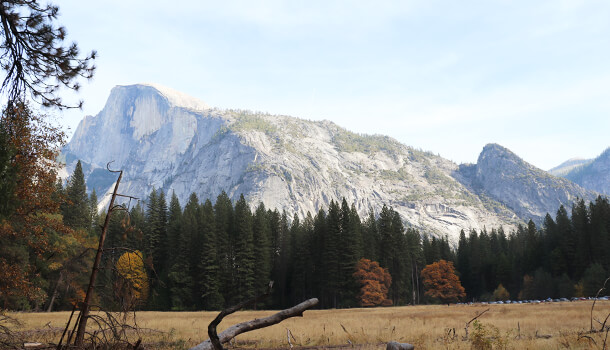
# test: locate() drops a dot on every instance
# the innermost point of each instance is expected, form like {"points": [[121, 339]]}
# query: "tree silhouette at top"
{"points": [[34, 56]]}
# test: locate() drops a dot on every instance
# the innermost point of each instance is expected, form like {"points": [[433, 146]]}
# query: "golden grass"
{"points": [[426, 327]]}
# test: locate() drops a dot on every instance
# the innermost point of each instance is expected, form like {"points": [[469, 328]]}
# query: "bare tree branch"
{"points": [[247, 326]]}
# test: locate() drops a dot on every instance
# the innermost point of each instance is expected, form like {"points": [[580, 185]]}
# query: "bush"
{"points": [[488, 337]]}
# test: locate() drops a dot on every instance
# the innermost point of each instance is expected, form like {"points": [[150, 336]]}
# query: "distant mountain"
{"points": [[166, 140], [526, 190], [569, 165], [593, 174]]}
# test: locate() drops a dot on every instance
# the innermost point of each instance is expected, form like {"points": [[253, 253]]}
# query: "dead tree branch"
{"points": [[594, 300], [469, 322], [248, 326]]}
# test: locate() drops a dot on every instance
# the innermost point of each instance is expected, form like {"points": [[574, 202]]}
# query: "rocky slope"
{"points": [[569, 165], [169, 141], [593, 174], [529, 192]]}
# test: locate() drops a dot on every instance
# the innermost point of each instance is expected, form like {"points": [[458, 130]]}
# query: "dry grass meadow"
{"points": [[518, 326]]}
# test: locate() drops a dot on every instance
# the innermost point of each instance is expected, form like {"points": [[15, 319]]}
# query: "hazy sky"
{"points": [[443, 76]]}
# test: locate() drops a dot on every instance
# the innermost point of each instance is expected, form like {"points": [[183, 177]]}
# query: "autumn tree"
{"points": [[441, 282], [131, 286], [37, 64], [501, 293], [375, 282], [31, 210]]}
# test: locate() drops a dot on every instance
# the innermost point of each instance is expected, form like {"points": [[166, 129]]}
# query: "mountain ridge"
{"points": [[285, 162], [593, 174]]}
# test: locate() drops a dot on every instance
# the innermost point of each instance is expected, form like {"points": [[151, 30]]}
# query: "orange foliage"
{"points": [[441, 282], [375, 282], [29, 214]]}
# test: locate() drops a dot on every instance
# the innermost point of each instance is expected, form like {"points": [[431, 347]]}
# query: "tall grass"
{"points": [[427, 327]]}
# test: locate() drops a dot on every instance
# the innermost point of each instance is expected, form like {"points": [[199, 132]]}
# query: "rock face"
{"points": [[529, 192], [569, 165], [169, 141], [593, 174]]}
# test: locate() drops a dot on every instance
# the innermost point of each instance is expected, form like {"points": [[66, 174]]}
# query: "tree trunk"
{"points": [[55, 292], [247, 326]]}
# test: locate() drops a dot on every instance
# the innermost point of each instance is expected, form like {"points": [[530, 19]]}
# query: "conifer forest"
{"points": [[205, 255]]}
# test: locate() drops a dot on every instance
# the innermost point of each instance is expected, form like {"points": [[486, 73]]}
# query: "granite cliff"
{"points": [[166, 140]]}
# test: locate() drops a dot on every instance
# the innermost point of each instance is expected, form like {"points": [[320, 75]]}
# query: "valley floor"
{"points": [[526, 326]]}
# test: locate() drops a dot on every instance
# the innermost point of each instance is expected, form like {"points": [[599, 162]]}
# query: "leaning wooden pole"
{"points": [[84, 313]]}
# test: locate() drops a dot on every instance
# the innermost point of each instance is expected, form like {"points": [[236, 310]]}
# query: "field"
{"points": [[514, 326]]}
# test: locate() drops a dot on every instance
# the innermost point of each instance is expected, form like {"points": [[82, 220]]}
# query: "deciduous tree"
{"points": [[375, 282], [29, 213], [501, 293], [441, 282], [132, 281]]}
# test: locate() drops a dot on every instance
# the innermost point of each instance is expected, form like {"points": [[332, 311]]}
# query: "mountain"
{"points": [[592, 174], [163, 139], [569, 165], [529, 192]]}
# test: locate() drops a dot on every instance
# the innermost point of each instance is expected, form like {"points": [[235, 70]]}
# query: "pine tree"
{"points": [[317, 256], [244, 251], [208, 278], [261, 233], [223, 213], [174, 224], [34, 56], [349, 254], [370, 237], [415, 260], [180, 275], [581, 226], [283, 261], [94, 217], [567, 243], [174, 233], [151, 237], [330, 256], [156, 233], [76, 211], [463, 262]]}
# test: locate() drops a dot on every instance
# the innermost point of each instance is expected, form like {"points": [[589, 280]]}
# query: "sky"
{"points": [[442, 76]]}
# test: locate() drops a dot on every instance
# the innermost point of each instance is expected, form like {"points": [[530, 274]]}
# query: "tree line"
{"points": [[206, 255], [568, 256]]}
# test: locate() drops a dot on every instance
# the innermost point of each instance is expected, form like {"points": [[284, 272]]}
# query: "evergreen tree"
{"points": [[223, 213], [76, 211], [463, 263], [349, 254], [261, 233], [94, 217], [370, 238], [244, 251], [283, 261], [415, 259], [180, 274], [175, 244], [208, 279], [593, 279], [174, 228], [330, 256], [156, 232]]}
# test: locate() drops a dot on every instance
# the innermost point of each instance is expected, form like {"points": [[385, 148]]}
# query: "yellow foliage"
{"points": [[132, 282]]}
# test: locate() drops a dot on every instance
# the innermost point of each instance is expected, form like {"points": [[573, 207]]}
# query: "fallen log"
{"points": [[399, 346], [248, 326]]}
